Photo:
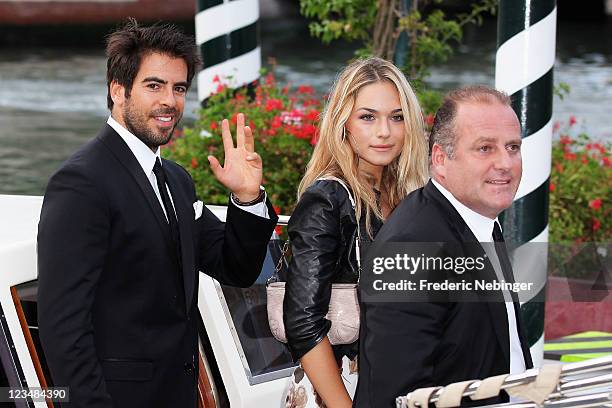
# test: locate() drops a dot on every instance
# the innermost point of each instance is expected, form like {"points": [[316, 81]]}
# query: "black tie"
{"points": [[502, 254], [160, 175], [506, 266]]}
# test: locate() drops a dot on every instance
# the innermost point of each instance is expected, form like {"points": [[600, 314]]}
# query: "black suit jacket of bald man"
{"points": [[410, 345]]}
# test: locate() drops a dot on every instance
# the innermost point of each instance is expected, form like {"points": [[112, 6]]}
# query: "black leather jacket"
{"points": [[322, 232]]}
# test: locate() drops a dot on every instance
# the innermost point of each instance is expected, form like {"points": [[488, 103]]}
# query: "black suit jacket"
{"points": [[117, 307], [410, 345]]}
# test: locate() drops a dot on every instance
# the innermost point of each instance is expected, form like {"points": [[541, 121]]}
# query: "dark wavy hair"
{"points": [[126, 47]]}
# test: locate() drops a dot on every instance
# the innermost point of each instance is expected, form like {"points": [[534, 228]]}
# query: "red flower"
{"points": [[584, 159], [220, 88], [274, 104], [276, 122], [304, 132], [606, 162], [277, 209], [269, 79], [559, 167], [303, 89], [214, 125], [569, 156], [309, 130], [552, 187], [194, 163], [572, 120], [599, 147], [595, 204], [596, 224], [313, 115], [315, 138], [310, 102], [234, 118], [429, 119], [278, 229], [216, 78], [565, 140]]}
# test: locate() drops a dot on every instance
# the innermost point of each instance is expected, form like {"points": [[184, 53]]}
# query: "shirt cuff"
{"points": [[259, 209]]}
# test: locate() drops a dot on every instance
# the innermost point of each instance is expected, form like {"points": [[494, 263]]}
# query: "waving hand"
{"points": [[242, 171]]}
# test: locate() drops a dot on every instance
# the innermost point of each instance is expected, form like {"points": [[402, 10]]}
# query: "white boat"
{"points": [[241, 364]]}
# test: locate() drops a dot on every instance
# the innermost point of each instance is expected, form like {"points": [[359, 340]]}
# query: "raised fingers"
{"points": [[249, 141], [240, 131], [228, 143]]}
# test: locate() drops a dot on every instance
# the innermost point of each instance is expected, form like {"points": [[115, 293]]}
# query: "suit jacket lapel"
{"points": [[124, 155], [465, 234], [451, 214], [185, 215]]}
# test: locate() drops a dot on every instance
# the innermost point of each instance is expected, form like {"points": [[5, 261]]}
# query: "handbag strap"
{"points": [[276, 276], [343, 184]]}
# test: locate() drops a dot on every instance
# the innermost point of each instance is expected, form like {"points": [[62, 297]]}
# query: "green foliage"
{"points": [[284, 125], [430, 41], [562, 89], [335, 19], [379, 23], [580, 193], [430, 100]]}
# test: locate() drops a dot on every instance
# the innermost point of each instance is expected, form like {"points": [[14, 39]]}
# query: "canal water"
{"points": [[52, 100]]}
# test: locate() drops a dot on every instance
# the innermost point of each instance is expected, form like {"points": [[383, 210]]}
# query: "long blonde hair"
{"points": [[334, 156]]}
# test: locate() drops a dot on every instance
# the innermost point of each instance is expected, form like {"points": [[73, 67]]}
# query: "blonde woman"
{"points": [[371, 138]]}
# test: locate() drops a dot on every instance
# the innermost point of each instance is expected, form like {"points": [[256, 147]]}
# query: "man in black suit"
{"points": [[122, 237], [475, 164]]}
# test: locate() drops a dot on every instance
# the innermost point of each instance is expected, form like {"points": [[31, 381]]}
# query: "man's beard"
{"points": [[136, 123]]}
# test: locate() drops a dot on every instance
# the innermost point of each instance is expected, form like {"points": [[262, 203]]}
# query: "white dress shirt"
{"points": [[482, 228], [146, 158]]}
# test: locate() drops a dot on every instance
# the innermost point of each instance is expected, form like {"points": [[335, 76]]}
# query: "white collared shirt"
{"points": [[482, 228], [146, 158]]}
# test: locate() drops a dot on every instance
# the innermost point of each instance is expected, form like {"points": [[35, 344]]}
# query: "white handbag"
{"points": [[343, 309]]}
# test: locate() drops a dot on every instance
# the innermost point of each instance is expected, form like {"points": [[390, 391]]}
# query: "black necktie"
{"points": [[502, 254], [506, 266], [160, 175]]}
